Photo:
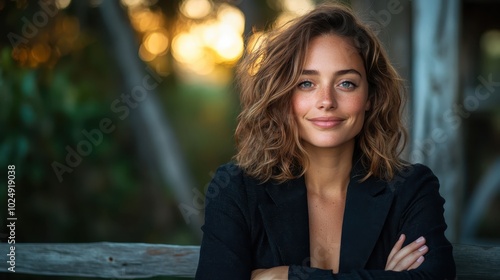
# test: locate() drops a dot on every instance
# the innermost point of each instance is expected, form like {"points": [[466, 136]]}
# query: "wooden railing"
{"points": [[139, 260]]}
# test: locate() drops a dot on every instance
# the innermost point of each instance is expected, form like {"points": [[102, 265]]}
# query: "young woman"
{"points": [[317, 190]]}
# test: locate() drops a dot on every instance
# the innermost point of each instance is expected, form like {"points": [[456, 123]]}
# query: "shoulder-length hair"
{"points": [[267, 138]]}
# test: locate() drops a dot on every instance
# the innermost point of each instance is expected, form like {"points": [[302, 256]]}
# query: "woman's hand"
{"points": [[274, 273], [409, 257]]}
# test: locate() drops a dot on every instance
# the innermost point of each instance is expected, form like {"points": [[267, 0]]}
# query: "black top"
{"points": [[250, 225]]}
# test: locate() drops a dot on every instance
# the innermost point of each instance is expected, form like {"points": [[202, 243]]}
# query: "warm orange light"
{"points": [[298, 7], [145, 20], [20, 54], [204, 66], [231, 16], [207, 43], [62, 4], [40, 52], [156, 42], [196, 9], [132, 3], [187, 48], [229, 44], [145, 55]]}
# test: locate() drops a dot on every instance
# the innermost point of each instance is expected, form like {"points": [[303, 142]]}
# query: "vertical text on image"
{"points": [[11, 216]]}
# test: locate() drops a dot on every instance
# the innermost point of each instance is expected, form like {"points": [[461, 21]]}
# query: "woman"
{"points": [[318, 190]]}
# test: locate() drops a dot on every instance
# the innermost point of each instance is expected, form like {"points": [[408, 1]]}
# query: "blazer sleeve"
{"points": [[421, 213], [225, 249]]}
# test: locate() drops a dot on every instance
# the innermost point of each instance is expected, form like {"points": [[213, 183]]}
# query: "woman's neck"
{"points": [[329, 169]]}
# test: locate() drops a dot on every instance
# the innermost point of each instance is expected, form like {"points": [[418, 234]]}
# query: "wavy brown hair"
{"points": [[267, 138]]}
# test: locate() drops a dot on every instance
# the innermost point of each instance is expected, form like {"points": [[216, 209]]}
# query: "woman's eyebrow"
{"points": [[338, 73], [348, 71], [310, 72]]}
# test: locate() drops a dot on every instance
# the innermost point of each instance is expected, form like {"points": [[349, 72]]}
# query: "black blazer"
{"points": [[250, 225]]}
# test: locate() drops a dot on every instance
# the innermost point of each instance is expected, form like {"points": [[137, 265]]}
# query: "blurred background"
{"points": [[116, 113]]}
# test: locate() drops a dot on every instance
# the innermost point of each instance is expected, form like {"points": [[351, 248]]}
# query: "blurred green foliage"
{"points": [[115, 194], [109, 196], [43, 114]]}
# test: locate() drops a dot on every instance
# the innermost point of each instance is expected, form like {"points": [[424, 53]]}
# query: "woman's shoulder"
{"points": [[230, 177], [228, 170], [232, 188], [231, 172], [414, 178], [413, 171]]}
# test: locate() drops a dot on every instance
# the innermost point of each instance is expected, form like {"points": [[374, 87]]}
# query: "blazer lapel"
{"points": [[286, 221], [367, 205]]}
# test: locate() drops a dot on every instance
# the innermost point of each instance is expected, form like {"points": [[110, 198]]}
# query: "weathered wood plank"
{"points": [[139, 260], [477, 262], [105, 260]]}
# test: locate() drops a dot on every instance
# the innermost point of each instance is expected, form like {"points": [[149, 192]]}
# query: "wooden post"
{"points": [[436, 113], [150, 123]]}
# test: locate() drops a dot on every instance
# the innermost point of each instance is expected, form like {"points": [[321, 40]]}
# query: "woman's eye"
{"points": [[306, 85], [347, 85]]}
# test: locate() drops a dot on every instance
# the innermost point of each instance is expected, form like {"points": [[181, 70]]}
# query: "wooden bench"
{"points": [[139, 260]]}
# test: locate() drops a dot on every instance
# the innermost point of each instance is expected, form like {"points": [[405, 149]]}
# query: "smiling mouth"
{"points": [[326, 122]]}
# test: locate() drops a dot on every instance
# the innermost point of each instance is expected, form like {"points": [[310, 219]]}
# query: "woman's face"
{"points": [[331, 97]]}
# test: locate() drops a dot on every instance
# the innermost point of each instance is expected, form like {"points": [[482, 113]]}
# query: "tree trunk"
{"points": [[149, 123], [436, 134]]}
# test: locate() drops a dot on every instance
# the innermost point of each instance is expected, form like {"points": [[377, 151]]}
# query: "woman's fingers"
{"points": [[256, 274], [407, 257], [389, 265], [417, 263], [273, 273], [412, 260]]}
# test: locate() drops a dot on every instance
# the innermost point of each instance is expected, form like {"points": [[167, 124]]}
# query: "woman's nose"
{"points": [[326, 100]]}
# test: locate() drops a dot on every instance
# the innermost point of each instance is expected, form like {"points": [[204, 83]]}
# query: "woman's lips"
{"points": [[326, 122]]}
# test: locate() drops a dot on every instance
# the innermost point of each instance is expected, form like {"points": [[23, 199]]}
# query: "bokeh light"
{"points": [[62, 4], [229, 44], [187, 48], [145, 20], [231, 16], [40, 52], [298, 7], [59, 38], [196, 9], [132, 3], [156, 42], [145, 55], [206, 39], [210, 37]]}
